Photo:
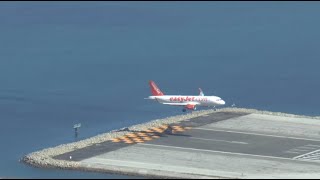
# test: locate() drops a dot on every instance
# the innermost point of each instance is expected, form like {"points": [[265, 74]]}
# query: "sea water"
{"points": [[63, 63]]}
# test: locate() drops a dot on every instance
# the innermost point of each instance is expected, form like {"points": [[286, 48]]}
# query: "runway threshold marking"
{"points": [[303, 149], [235, 142], [258, 134], [297, 157]]}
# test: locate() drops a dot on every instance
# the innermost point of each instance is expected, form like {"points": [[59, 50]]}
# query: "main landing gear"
{"points": [[185, 109]]}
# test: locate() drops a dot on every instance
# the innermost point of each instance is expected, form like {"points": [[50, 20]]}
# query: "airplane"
{"points": [[187, 102]]}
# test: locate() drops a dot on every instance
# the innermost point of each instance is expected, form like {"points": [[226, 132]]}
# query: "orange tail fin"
{"points": [[154, 89]]}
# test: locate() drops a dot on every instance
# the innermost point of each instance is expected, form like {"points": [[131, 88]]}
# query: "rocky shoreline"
{"points": [[44, 158]]}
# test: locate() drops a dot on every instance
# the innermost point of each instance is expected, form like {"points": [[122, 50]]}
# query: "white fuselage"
{"points": [[198, 100]]}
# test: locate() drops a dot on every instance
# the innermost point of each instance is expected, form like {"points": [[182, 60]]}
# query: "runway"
{"points": [[218, 140], [212, 146]]}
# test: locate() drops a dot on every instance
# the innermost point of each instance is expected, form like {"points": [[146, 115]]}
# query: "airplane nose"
{"points": [[223, 102]]}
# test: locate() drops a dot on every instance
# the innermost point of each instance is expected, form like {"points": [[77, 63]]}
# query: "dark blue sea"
{"points": [[63, 63]]}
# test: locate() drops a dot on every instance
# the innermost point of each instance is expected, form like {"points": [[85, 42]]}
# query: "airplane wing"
{"points": [[182, 104]]}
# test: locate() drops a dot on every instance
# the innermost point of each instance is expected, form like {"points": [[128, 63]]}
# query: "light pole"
{"points": [[76, 127]]}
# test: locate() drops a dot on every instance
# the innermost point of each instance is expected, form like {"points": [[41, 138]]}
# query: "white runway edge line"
{"points": [[222, 152], [258, 134], [292, 152], [235, 142]]}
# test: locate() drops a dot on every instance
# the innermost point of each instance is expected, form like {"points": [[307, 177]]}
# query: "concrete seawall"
{"points": [[45, 158]]}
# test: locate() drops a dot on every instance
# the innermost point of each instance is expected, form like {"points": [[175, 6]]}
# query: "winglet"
{"points": [[201, 92]]}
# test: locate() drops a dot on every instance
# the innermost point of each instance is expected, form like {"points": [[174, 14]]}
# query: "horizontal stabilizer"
{"points": [[201, 92]]}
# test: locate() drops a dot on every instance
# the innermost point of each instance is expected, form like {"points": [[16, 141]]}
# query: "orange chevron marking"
{"points": [[142, 134], [132, 135], [128, 142], [124, 138], [180, 130], [139, 141], [116, 140], [164, 126], [136, 139], [158, 130]]}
